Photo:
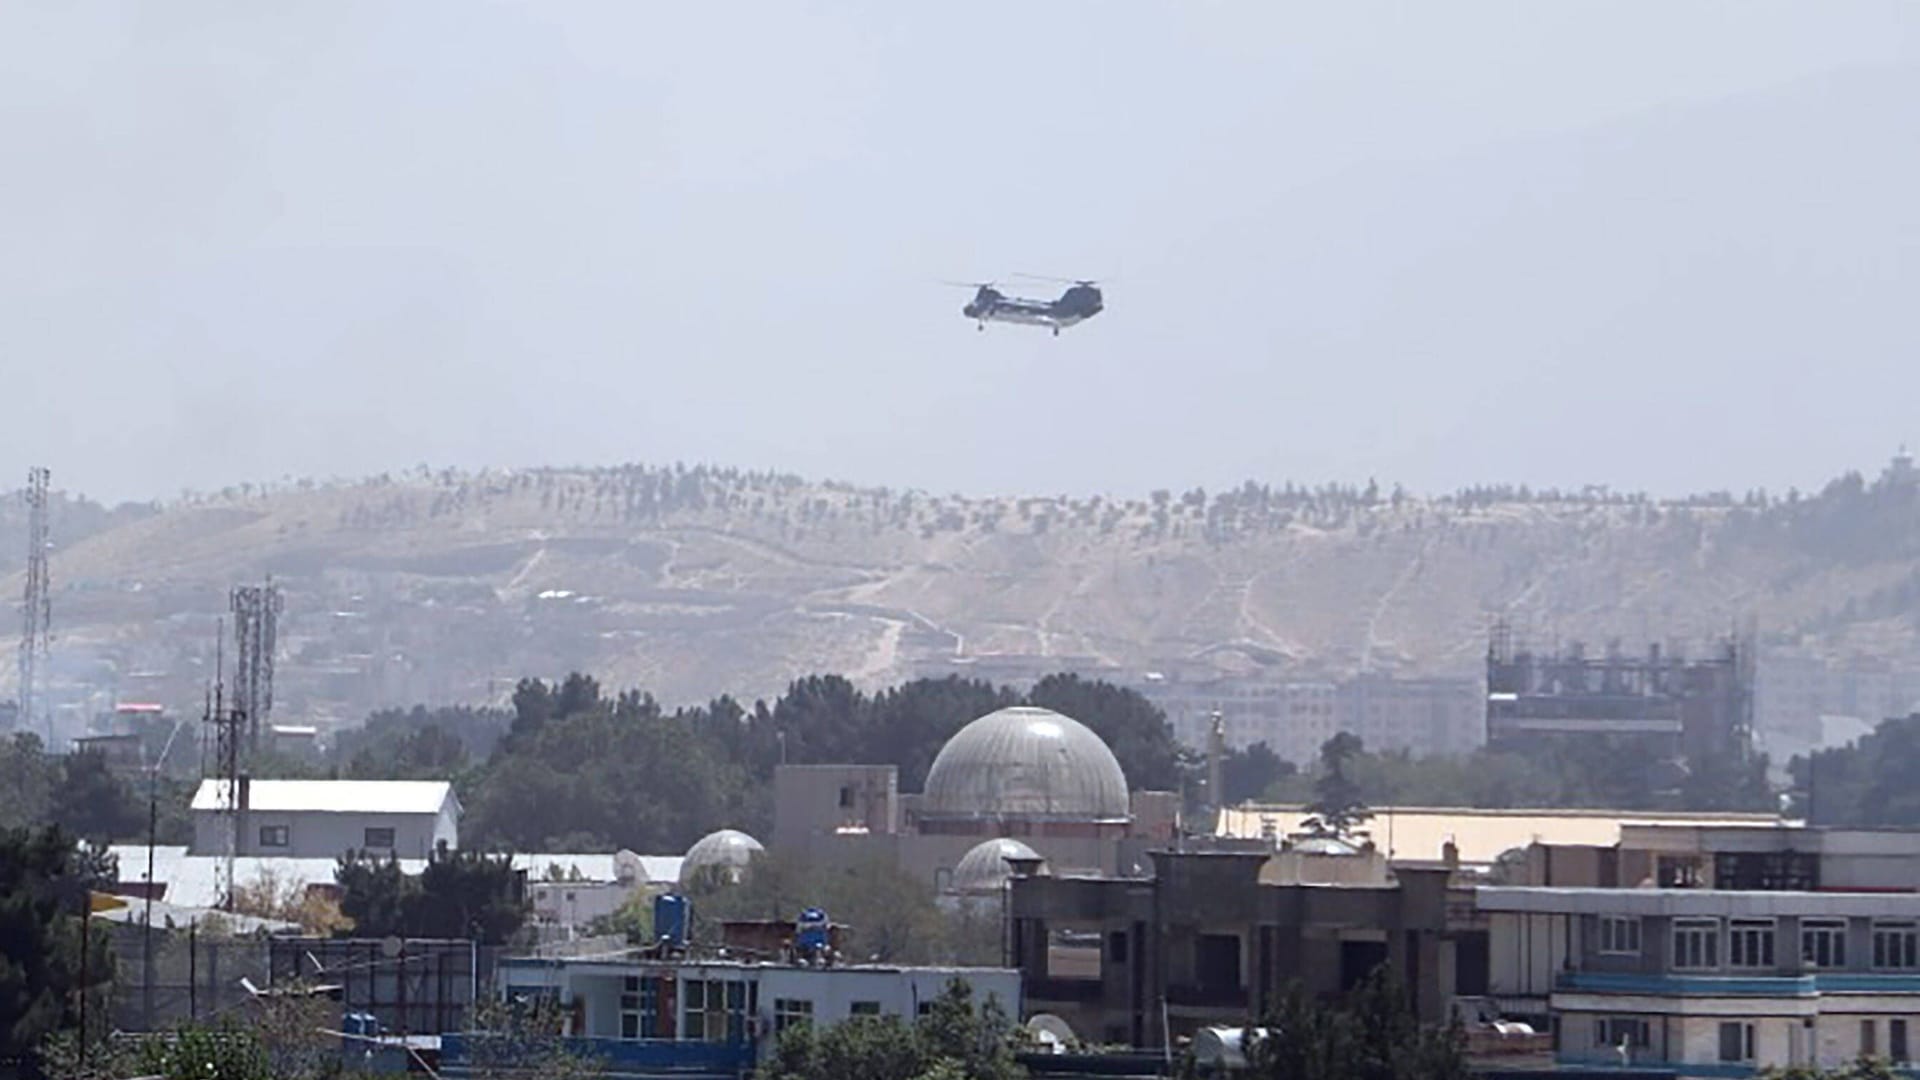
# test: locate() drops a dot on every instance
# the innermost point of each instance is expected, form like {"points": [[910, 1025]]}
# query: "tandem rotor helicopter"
{"points": [[1081, 301]]}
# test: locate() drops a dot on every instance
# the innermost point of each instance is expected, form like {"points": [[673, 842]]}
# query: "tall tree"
{"points": [[1372, 1034], [460, 894], [1251, 773], [44, 884], [1132, 726], [1337, 809], [27, 780], [94, 802]]}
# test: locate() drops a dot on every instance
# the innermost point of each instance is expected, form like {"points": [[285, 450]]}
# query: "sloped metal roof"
{"points": [[335, 796]]}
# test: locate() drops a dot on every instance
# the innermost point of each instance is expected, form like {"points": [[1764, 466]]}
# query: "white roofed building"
{"points": [[326, 818]]}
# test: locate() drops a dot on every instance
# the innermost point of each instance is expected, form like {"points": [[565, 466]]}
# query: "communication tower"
{"points": [[256, 619], [36, 630], [227, 726]]}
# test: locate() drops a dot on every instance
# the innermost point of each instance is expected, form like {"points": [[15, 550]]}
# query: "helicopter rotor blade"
{"points": [[969, 284], [1061, 280]]}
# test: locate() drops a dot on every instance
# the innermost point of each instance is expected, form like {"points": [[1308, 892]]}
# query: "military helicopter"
{"points": [[1081, 301]]}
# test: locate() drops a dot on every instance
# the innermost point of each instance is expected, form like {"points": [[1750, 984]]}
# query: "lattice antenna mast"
{"points": [[230, 784], [36, 630], [256, 620]]}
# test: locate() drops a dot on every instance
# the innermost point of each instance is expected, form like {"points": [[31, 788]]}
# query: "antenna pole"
{"points": [[36, 629]]}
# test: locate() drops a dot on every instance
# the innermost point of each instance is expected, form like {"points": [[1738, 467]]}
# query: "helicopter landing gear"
{"points": [[982, 327], [1056, 331]]}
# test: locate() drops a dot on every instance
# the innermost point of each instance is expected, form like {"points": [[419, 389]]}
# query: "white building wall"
{"points": [[578, 903], [899, 991], [327, 835]]}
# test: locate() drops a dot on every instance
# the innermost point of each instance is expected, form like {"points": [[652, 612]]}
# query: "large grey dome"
{"points": [[725, 851], [1026, 762], [984, 868]]}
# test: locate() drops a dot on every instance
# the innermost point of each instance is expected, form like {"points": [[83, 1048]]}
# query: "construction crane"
{"points": [[36, 631]]}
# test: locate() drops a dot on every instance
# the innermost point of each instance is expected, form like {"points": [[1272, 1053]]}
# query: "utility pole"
{"points": [[36, 629], [153, 831]]}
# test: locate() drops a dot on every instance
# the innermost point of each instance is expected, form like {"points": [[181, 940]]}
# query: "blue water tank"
{"points": [[671, 913], [810, 932]]}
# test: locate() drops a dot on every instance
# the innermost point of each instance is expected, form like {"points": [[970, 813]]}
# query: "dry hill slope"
{"points": [[693, 582]]}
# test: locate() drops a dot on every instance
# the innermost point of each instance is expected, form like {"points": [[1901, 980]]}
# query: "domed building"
{"points": [[1022, 767], [1031, 776], [723, 853], [986, 867]]}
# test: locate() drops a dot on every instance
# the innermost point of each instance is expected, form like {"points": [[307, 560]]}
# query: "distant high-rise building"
{"points": [[1691, 709]]}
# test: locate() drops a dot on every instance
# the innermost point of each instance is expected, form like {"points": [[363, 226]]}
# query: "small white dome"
{"points": [[1025, 762], [984, 868], [727, 850]]}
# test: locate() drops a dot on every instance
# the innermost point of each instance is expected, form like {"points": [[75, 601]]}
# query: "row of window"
{"points": [[714, 1010], [275, 836], [1751, 943], [1633, 1033]]}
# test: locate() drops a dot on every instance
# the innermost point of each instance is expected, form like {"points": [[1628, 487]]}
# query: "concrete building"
{"points": [[124, 752], [1215, 937], [720, 1016], [1422, 717], [1709, 980], [326, 818], [1294, 717], [569, 892]]}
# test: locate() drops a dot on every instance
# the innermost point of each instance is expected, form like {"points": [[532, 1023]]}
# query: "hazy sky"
{"points": [[1661, 245]]}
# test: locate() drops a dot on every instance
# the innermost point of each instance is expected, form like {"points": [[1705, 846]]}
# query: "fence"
{"points": [[411, 987]]}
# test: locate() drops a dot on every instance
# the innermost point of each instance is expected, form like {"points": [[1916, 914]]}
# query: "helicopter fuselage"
{"points": [[1075, 306]]}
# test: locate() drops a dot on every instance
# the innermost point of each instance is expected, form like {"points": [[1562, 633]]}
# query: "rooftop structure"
{"points": [[1480, 837], [986, 868], [723, 851]]}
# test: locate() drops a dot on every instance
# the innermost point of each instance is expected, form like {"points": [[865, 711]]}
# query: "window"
{"points": [[275, 835], [1894, 945], [1750, 943], [378, 838], [1216, 961], [1117, 946], [1897, 1040], [1613, 1030], [1696, 943], [1823, 943], [715, 1010], [1620, 935], [864, 1008], [790, 1011], [640, 1008], [846, 796], [1868, 1042], [1736, 1042]]}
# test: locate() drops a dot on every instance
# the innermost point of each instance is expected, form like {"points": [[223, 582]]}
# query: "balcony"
{"points": [[1672, 985], [618, 1055]]}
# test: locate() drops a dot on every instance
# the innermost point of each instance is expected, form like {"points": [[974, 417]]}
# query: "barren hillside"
{"points": [[692, 582]]}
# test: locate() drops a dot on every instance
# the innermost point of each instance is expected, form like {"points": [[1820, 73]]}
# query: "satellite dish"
{"points": [[1051, 1032], [392, 947]]}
